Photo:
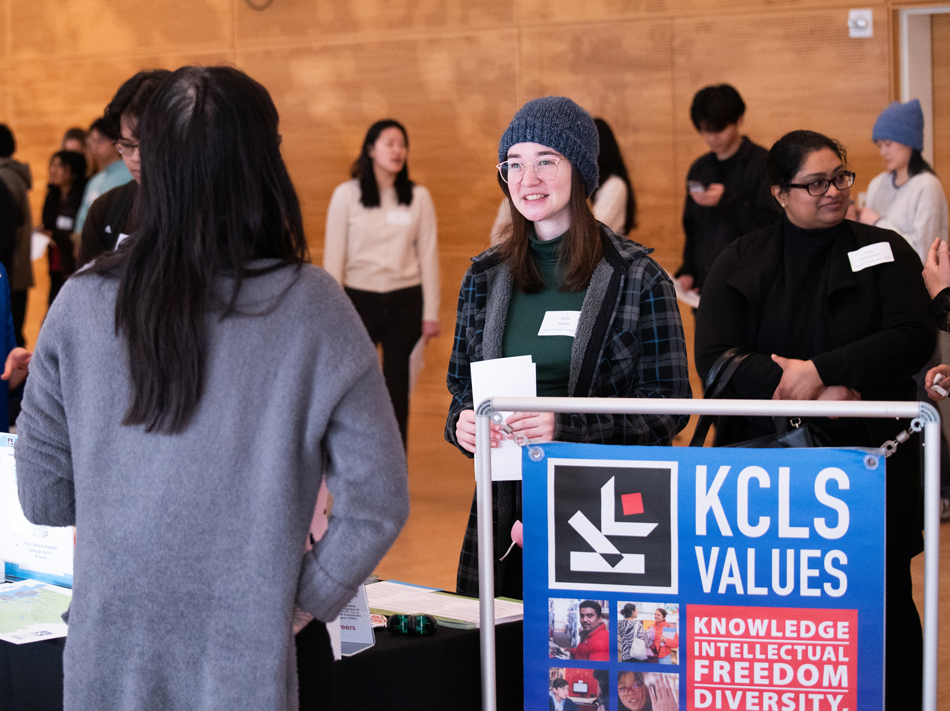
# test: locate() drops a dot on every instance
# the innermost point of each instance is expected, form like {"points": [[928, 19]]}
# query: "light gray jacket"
{"points": [[190, 547]]}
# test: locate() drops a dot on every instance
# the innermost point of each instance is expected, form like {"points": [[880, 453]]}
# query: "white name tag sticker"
{"points": [[64, 223], [873, 254], [560, 323], [398, 217]]}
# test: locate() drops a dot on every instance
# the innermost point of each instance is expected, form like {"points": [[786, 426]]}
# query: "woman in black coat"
{"points": [[820, 330]]}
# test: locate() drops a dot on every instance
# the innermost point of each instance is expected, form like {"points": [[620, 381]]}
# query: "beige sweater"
{"points": [[384, 248]]}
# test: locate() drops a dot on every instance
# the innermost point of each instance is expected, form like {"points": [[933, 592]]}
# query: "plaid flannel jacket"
{"points": [[629, 343]]}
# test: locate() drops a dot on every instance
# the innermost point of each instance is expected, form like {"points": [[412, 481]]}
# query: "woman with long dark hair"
{"points": [[614, 202], [184, 401], [816, 329], [67, 180], [627, 335], [381, 247]]}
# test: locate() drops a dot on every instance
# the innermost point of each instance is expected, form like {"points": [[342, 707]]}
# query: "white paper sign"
{"points": [[64, 222], [43, 553], [356, 628], [869, 256], [560, 323], [504, 377], [398, 217]]}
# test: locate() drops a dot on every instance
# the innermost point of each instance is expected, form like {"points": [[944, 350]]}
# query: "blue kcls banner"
{"points": [[714, 578]]}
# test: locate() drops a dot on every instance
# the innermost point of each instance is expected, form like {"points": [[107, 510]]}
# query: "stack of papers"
{"points": [[31, 611], [455, 611]]}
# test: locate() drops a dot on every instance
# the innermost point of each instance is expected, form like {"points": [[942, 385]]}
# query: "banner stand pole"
{"points": [[926, 413]]}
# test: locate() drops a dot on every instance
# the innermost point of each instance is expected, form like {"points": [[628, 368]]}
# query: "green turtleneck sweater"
{"points": [[551, 354]]}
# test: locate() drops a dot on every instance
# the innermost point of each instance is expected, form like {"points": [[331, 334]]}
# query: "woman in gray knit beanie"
{"points": [[596, 315]]}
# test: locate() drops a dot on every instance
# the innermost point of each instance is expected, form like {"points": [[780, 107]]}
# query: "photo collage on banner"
{"points": [[660, 579]]}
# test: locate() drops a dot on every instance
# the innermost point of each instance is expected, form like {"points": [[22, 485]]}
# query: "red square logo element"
{"points": [[632, 504]]}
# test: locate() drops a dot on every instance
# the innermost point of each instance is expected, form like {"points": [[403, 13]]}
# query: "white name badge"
{"points": [[869, 256], [64, 223], [560, 323], [398, 217]]}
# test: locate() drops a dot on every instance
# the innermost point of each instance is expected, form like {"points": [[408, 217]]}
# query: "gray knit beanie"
{"points": [[558, 123], [902, 123]]}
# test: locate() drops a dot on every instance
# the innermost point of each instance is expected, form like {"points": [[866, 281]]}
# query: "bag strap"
{"points": [[716, 381]]}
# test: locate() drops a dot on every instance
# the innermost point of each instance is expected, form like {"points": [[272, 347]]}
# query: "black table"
{"points": [[441, 673]]}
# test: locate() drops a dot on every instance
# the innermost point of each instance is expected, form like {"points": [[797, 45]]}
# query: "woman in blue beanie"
{"points": [[627, 338], [908, 198]]}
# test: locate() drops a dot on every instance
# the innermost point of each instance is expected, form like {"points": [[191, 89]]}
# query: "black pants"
{"points": [[394, 321], [315, 674]]}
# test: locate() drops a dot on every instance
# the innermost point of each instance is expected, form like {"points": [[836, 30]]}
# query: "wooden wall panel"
{"points": [[622, 73], [44, 28], [455, 96], [308, 21], [50, 96], [532, 11], [940, 27], [794, 71]]}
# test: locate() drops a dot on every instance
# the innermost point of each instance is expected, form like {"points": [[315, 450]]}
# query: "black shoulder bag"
{"points": [[788, 433]]}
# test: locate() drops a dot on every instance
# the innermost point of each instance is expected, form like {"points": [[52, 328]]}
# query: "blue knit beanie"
{"points": [[558, 123], [903, 123]]}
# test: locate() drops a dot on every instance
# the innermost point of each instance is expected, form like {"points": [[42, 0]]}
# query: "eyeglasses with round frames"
{"points": [[545, 167], [125, 148], [816, 188]]}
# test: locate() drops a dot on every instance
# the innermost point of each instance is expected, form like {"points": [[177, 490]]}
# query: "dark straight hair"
{"points": [[215, 195], [132, 98], [918, 164], [363, 168], [788, 154], [610, 162], [76, 162], [580, 251]]}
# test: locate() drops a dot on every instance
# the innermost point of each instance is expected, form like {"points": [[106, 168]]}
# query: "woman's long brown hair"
{"points": [[581, 249]]}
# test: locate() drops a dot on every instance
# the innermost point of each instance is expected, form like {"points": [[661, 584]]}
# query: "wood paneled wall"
{"points": [[454, 72]]}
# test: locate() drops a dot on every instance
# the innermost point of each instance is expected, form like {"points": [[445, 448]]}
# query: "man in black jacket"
{"points": [[727, 189]]}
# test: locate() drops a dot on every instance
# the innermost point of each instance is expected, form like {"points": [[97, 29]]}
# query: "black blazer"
{"points": [[883, 335]]}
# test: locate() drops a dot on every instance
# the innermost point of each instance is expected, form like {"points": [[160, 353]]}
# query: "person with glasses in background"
{"points": [[626, 337], [112, 171], [645, 691], [818, 329], [112, 216]]}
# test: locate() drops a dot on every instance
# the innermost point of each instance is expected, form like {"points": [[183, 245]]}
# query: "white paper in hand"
{"points": [[504, 377]]}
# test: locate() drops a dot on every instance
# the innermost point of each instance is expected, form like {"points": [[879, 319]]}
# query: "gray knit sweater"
{"points": [[190, 547]]}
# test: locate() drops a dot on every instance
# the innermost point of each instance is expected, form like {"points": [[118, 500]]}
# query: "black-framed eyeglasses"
{"points": [[842, 181], [124, 147], [545, 167]]}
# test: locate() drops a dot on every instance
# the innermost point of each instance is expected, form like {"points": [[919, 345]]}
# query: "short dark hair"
{"points": [[363, 168], [558, 683], [75, 134], [102, 126], [715, 107], [788, 154], [7, 141], [593, 605], [628, 609], [132, 97], [662, 611]]}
